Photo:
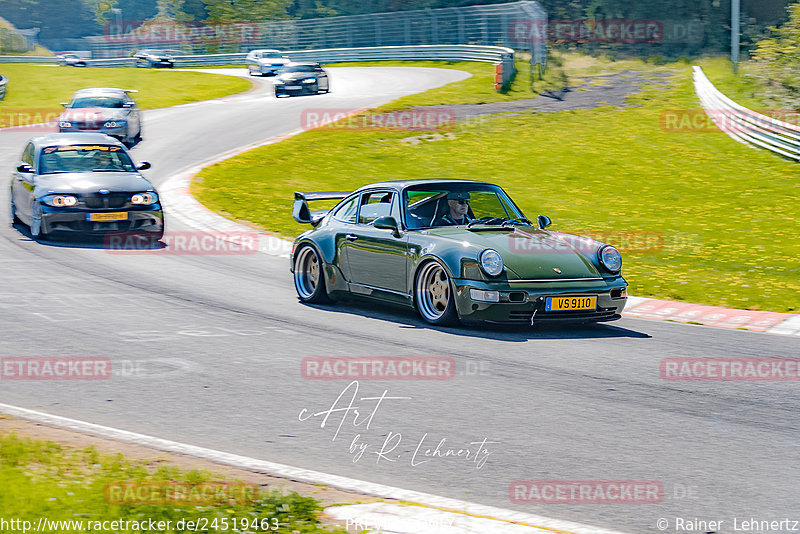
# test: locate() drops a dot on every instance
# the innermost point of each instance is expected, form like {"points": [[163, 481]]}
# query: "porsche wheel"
{"points": [[309, 280], [434, 295]]}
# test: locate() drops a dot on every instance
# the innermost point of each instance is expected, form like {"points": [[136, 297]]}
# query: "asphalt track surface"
{"points": [[208, 351]]}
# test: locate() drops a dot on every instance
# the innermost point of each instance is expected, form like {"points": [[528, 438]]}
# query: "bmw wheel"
{"points": [[309, 280], [12, 205], [434, 295], [36, 222]]}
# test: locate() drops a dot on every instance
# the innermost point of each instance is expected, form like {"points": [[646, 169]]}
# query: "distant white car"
{"points": [[265, 62]]}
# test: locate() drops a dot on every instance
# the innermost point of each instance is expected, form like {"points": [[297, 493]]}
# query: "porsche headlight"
{"points": [[491, 262], [144, 198], [309, 80], [60, 201], [610, 258]]}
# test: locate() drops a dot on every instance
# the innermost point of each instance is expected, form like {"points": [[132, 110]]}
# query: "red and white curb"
{"points": [[684, 312], [459, 517]]}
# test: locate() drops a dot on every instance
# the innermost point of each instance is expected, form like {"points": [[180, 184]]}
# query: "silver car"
{"points": [[265, 62], [103, 110]]}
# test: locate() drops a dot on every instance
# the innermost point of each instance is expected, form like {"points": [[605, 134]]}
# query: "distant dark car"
{"points": [[105, 110], [454, 250], [71, 60], [83, 184], [301, 78], [154, 59]]}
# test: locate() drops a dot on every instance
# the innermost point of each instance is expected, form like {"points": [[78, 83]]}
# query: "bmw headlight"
{"points": [[64, 124], [60, 201], [491, 262], [145, 199], [114, 124], [309, 80], [610, 258]]}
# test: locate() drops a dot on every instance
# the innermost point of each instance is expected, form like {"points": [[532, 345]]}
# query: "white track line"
{"points": [[306, 475]]}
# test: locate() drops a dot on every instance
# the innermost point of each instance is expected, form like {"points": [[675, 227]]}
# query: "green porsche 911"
{"points": [[456, 250]]}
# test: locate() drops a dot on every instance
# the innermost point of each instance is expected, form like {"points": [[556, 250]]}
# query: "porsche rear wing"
{"points": [[301, 211]]}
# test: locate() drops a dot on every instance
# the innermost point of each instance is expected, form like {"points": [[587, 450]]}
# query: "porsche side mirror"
{"points": [[387, 223], [143, 166], [24, 167], [543, 221]]}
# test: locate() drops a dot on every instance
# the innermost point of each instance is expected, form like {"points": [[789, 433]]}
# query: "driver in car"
{"points": [[104, 162], [458, 202]]}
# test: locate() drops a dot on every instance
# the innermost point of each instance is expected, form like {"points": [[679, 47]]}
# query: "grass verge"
{"points": [[726, 215], [34, 91], [44, 479]]}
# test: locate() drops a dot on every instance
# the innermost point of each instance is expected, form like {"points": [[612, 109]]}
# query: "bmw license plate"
{"points": [[109, 216], [292, 87], [584, 302]]}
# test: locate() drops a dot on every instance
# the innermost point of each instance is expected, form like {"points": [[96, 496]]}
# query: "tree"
{"points": [[778, 58], [251, 10]]}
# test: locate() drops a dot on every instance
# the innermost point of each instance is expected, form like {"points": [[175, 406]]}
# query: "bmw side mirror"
{"points": [[127, 105], [65, 104], [24, 167], [143, 166], [387, 223], [543, 221]]}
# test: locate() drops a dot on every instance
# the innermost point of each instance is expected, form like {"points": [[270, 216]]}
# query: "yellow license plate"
{"points": [[571, 303], [110, 216]]}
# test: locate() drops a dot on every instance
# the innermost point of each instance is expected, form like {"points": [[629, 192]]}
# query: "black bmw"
{"points": [[301, 78], [83, 183]]}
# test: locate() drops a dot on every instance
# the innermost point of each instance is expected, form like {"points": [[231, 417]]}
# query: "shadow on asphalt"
{"points": [[409, 319], [66, 240]]}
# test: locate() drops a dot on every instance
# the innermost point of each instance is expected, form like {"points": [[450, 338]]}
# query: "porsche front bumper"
{"points": [[523, 302]]}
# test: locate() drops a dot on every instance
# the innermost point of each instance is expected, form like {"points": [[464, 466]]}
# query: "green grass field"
{"points": [[44, 479], [727, 215], [35, 91]]}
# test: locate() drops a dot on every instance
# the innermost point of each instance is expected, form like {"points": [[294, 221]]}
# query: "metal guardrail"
{"points": [[3, 84], [488, 25], [486, 54], [744, 125]]}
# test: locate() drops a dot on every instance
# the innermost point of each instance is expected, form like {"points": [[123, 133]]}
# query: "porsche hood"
{"points": [[529, 253]]}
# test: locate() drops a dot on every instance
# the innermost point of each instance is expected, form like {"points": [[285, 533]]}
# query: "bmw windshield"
{"points": [[84, 158], [454, 204], [98, 102]]}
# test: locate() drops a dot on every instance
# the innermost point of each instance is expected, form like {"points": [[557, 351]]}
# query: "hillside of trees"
{"points": [[77, 18]]}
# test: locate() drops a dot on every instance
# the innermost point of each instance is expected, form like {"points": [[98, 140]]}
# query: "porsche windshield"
{"points": [[97, 102], [84, 158], [431, 205]]}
